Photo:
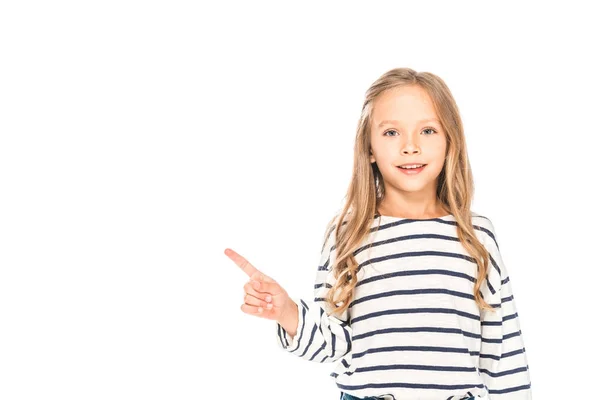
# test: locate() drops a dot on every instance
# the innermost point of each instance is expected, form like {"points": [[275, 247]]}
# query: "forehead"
{"points": [[404, 104]]}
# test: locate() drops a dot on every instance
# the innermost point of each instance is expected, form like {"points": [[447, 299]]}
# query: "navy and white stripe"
{"points": [[413, 330]]}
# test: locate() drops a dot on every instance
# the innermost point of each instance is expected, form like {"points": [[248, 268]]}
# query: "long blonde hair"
{"points": [[366, 189]]}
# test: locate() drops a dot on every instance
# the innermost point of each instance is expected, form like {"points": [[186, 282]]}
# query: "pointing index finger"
{"points": [[241, 262]]}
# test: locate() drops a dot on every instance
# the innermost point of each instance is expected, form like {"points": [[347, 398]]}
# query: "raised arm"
{"points": [[319, 337]]}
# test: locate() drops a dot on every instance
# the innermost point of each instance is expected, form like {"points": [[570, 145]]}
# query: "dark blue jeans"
{"points": [[346, 396]]}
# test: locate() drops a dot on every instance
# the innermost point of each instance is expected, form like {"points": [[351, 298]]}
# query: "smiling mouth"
{"points": [[412, 168], [412, 171]]}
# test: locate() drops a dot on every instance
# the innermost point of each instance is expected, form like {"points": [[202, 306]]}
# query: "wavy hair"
{"points": [[366, 190]]}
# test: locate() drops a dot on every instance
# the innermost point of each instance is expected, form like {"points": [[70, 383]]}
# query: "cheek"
{"points": [[384, 155], [439, 151]]}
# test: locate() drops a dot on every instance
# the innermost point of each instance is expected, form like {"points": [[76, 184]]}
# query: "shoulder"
{"points": [[335, 221], [484, 229], [482, 221], [330, 231]]}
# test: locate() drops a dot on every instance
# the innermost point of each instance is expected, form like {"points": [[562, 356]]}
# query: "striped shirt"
{"points": [[413, 329]]}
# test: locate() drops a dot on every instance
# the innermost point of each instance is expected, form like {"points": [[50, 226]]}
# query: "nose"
{"points": [[410, 148], [410, 145]]}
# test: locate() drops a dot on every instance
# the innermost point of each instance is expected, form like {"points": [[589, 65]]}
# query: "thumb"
{"points": [[261, 277], [266, 287]]}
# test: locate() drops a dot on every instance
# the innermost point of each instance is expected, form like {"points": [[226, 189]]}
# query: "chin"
{"points": [[414, 185], [413, 188]]}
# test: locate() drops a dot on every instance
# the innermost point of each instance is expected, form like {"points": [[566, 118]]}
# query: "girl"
{"points": [[411, 294]]}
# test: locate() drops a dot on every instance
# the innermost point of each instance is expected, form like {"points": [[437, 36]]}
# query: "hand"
{"points": [[263, 296]]}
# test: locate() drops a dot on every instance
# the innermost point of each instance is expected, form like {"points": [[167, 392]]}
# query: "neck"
{"points": [[413, 211]]}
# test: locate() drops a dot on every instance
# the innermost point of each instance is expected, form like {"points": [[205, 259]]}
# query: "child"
{"points": [[411, 292]]}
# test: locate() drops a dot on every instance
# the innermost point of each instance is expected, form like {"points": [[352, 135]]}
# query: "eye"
{"points": [[426, 129]]}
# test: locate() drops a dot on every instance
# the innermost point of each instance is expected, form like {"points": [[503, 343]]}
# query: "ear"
{"points": [[371, 157]]}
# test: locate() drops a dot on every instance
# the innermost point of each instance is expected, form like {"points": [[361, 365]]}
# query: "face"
{"points": [[405, 130]]}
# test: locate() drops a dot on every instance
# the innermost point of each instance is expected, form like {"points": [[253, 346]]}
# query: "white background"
{"points": [[141, 139]]}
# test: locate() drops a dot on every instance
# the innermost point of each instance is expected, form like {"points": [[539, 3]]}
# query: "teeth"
{"points": [[412, 166]]}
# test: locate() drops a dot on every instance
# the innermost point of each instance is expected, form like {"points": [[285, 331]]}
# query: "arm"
{"points": [[502, 359], [316, 336]]}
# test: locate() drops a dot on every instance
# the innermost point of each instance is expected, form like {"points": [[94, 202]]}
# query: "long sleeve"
{"points": [[503, 362], [319, 337]]}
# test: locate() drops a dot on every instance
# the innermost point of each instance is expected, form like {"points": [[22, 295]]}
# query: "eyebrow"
{"points": [[392, 121]]}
